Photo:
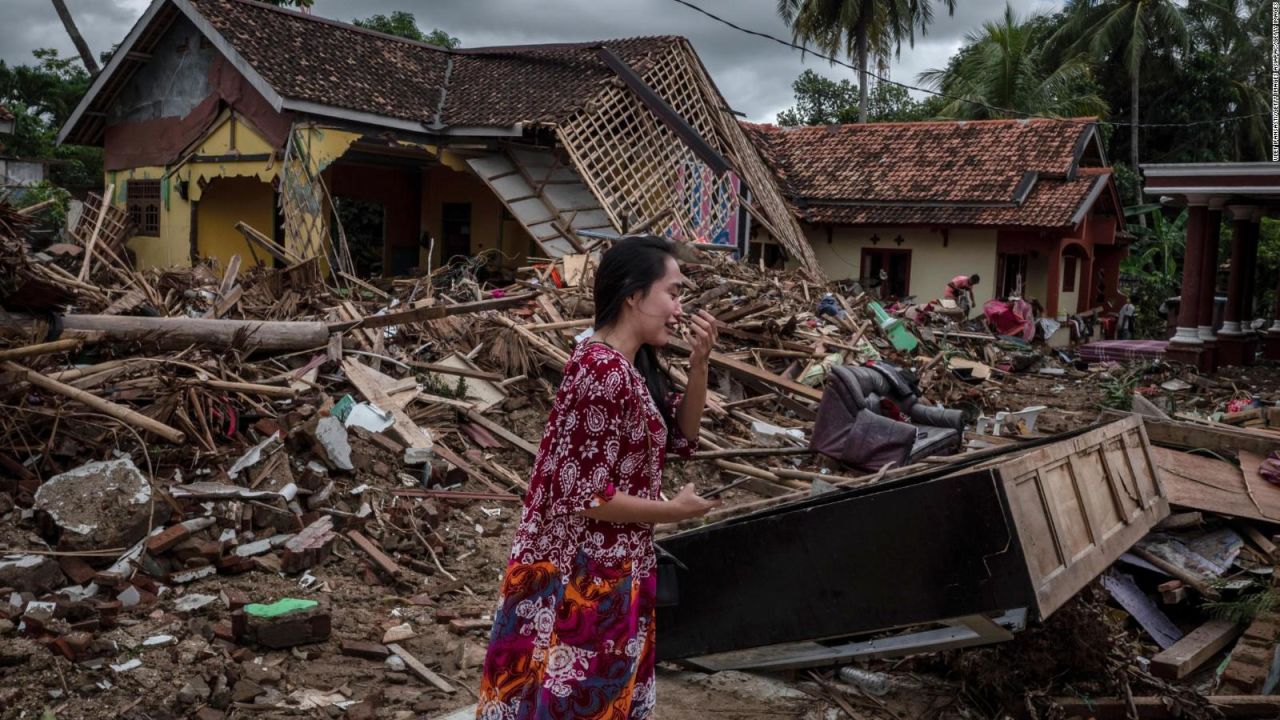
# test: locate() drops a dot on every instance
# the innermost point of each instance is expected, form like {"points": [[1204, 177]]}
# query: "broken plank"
{"points": [[502, 432], [419, 669], [458, 371], [366, 380], [366, 650], [738, 367], [106, 407], [1211, 485], [1222, 439], [375, 553], [47, 348], [434, 312], [1157, 708], [1194, 649]]}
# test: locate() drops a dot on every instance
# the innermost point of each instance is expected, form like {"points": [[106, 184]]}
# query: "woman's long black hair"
{"points": [[632, 266]]}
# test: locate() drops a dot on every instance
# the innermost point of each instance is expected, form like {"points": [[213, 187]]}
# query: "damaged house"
{"points": [[1029, 205], [232, 128]]}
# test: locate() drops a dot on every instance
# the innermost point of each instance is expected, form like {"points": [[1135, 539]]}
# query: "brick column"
{"points": [[1197, 218], [1209, 273], [1241, 219]]}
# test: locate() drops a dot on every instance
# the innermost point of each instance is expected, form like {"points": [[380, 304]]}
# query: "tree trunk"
{"points": [[77, 39], [862, 77]]}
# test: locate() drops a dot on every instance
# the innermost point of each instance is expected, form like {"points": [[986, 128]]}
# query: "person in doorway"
{"points": [[960, 289], [573, 635]]}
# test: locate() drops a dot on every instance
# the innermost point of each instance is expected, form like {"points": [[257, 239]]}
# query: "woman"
{"points": [[574, 631]]}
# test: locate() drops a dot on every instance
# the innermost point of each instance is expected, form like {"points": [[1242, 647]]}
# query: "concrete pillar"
{"points": [[1209, 272], [1241, 219], [1197, 220]]}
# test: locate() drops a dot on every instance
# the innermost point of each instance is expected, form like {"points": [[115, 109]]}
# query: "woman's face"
{"points": [[655, 314]]}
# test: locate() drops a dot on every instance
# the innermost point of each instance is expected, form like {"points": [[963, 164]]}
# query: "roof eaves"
{"points": [[1098, 186], [117, 59]]}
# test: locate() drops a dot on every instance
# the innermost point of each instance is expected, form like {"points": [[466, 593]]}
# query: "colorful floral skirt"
{"points": [[580, 647]]}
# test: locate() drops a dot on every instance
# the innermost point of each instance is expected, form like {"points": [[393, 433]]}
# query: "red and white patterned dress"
{"points": [[573, 634]]}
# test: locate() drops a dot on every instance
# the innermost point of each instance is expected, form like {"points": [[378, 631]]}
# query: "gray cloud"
{"points": [[754, 74]]}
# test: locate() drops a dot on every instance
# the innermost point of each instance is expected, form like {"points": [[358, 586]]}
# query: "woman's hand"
{"points": [[689, 505], [702, 339]]}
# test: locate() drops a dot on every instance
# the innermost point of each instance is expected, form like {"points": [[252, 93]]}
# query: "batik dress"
{"points": [[573, 635]]}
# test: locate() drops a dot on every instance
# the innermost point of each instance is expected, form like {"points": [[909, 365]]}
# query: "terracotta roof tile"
{"points": [[946, 173], [1051, 204], [957, 161], [5, 114], [331, 63]]}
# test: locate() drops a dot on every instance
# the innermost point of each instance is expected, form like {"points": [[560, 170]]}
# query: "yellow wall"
{"points": [[443, 185], [224, 202], [932, 265], [173, 246]]}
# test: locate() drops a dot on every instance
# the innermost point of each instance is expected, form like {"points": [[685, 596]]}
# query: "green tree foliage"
{"points": [[1002, 72], [403, 24], [1126, 33], [867, 31], [822, 101], [41, 97]]}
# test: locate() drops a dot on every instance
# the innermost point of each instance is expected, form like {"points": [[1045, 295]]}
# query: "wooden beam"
{"points": [[459, 372], [179, 332], [105, 407], [725, 362], [1156, 708], [375, 553], [433, 312], [1194, 649], [667, 114], [41, 349], [502, 432], [419, 669]]}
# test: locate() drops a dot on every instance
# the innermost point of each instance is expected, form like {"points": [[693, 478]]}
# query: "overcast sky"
{"points": [[754, 74]]}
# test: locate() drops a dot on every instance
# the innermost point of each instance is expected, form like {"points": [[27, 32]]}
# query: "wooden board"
{"points": [[1202, 483], [368, 382], [1222, 439], [485, 393], [1080, 503], [1194, 649]]}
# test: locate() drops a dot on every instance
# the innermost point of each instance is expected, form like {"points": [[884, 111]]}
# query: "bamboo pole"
{"points": [[41, 349], [106, 407]]}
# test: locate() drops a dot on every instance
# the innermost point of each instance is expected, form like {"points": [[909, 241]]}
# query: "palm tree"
{"points": [[82, 47], [1001, 73], [865, 30], [1238, 32], [1128, 30]]}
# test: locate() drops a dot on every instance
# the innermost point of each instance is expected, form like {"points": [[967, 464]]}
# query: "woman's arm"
{"points": [[624, 508], [702, 340]]}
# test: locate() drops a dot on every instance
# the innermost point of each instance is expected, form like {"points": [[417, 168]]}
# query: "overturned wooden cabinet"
{"points": [[975, 547]]}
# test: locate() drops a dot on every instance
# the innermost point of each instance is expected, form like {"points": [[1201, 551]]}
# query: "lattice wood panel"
{"points": [[630, 159], [305, 206], [638, 168], [116, 226]]}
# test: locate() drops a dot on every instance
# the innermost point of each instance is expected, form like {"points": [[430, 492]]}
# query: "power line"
{"points": [[979, 103]]}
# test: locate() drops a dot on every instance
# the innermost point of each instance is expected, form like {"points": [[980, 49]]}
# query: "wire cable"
{"points": [[979, 103]]}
